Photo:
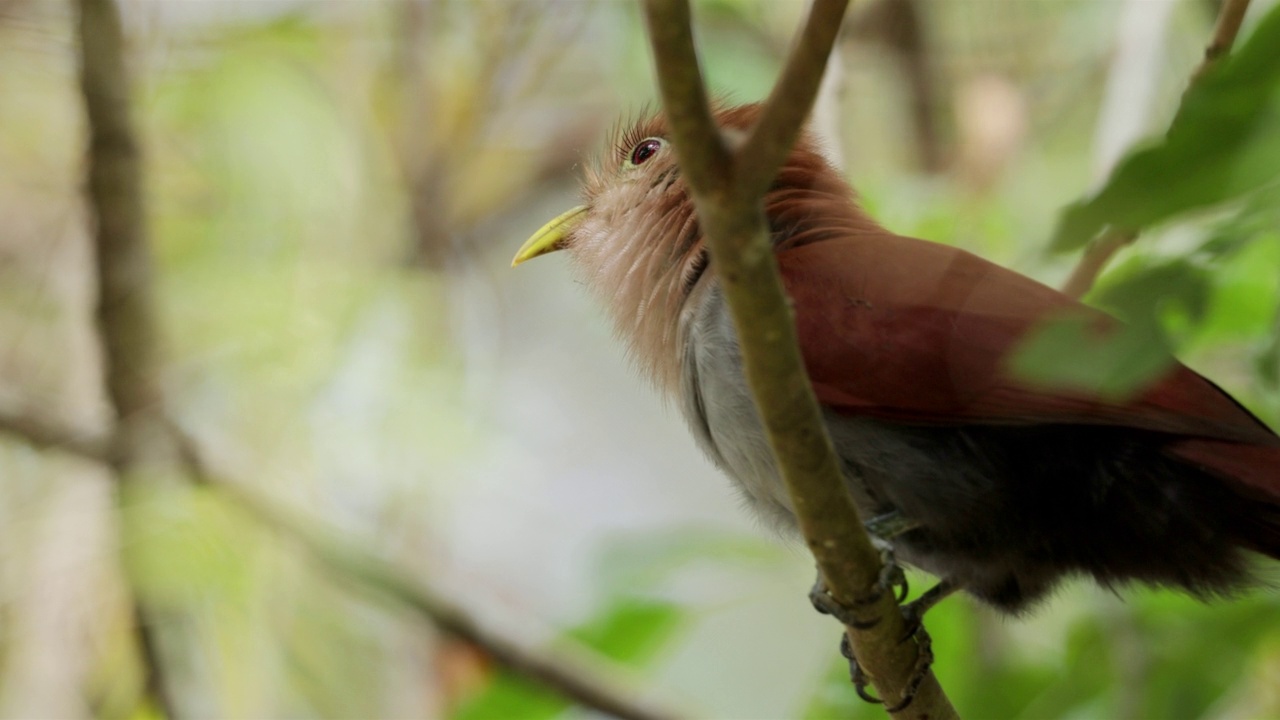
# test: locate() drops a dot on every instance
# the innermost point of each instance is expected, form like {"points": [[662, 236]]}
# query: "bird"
{"points": [[999, 483]]}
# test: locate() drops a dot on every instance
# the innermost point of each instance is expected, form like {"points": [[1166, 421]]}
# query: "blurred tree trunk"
{"points": [[143, 448], [899, 26]]}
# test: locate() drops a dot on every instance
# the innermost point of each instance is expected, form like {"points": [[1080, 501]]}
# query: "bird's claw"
{"points": [[892, 579], [924, 663], [856, 675], [891, 575]]}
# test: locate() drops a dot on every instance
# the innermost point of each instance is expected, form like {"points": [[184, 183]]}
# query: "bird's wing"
{"points": [[918, 332]]}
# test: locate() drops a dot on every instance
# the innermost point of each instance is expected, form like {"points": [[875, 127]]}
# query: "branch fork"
{"points": [[727, 186]]}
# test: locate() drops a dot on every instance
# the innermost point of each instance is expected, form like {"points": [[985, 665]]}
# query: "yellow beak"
{"points": [[550, 237]]}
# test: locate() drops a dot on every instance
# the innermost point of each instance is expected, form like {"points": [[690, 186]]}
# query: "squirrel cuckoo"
{"points": [[998, 484]]}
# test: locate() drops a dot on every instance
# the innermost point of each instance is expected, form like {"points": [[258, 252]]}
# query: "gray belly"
{"points": [[720, 410], [1003, 511]]}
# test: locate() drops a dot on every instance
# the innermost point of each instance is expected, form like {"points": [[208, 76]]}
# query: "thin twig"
{"points": [[791, 99], [126, 323], [573, 673], [47, 435], [704, 156], [1102, 249], [1225, 30], [1095, 259], [728, 197]]}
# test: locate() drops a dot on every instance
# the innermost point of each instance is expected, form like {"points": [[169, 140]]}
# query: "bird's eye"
{"points": [[644, 150]]}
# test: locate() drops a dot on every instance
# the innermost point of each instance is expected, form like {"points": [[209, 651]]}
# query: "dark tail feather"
{"points": [[1255, 470]]}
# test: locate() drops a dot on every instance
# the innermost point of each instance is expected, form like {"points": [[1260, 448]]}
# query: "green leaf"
{"points": [[510, 697], [1145, 292], [631, 631], [1223, 144], [1072, 355], [1246, 295], [1258, 219], [1155, 298]]}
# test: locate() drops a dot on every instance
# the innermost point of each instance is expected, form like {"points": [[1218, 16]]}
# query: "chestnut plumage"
{"points": [[1010, 483]]}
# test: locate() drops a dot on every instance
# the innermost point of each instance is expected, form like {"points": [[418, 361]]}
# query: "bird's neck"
{"points": [[647, 263], [640, 267]]}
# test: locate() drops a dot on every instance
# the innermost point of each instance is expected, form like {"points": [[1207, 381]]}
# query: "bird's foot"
{"points": [[892, 580], [912, 615], [913, 622], [913, 612], [881, 529], [924, 663]]}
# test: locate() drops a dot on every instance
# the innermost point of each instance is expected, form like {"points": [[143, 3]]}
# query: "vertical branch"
{"points": [[114, 187], [791, 99], [704, 158], [424, 167], [727, 187], [899, 26], [126, 324], [917, 62]]}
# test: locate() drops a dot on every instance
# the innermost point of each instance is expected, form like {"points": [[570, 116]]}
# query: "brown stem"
{"points": [[789, 103], [704, 157], [727, 196], [1225, 30], [1094, 260], [126, 324], [1102, 249], [125, 313]]}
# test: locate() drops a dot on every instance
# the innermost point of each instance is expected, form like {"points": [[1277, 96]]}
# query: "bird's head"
{"points": [[636, 243]]}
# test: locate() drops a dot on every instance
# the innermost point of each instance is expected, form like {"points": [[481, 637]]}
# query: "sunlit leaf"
{"points": [[1165, 301], [1246, 292], [1258, 218]]}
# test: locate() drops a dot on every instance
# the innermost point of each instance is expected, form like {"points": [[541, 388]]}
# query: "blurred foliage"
{"points": [[629, 631], [1224, 143], [1144, 659], [1222, 148], [334, 189]]}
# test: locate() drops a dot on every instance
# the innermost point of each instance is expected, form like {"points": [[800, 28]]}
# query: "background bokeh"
{"points": [[335, 189]]}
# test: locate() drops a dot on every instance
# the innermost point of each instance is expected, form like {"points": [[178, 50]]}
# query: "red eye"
{"points": [[645, 150]]}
